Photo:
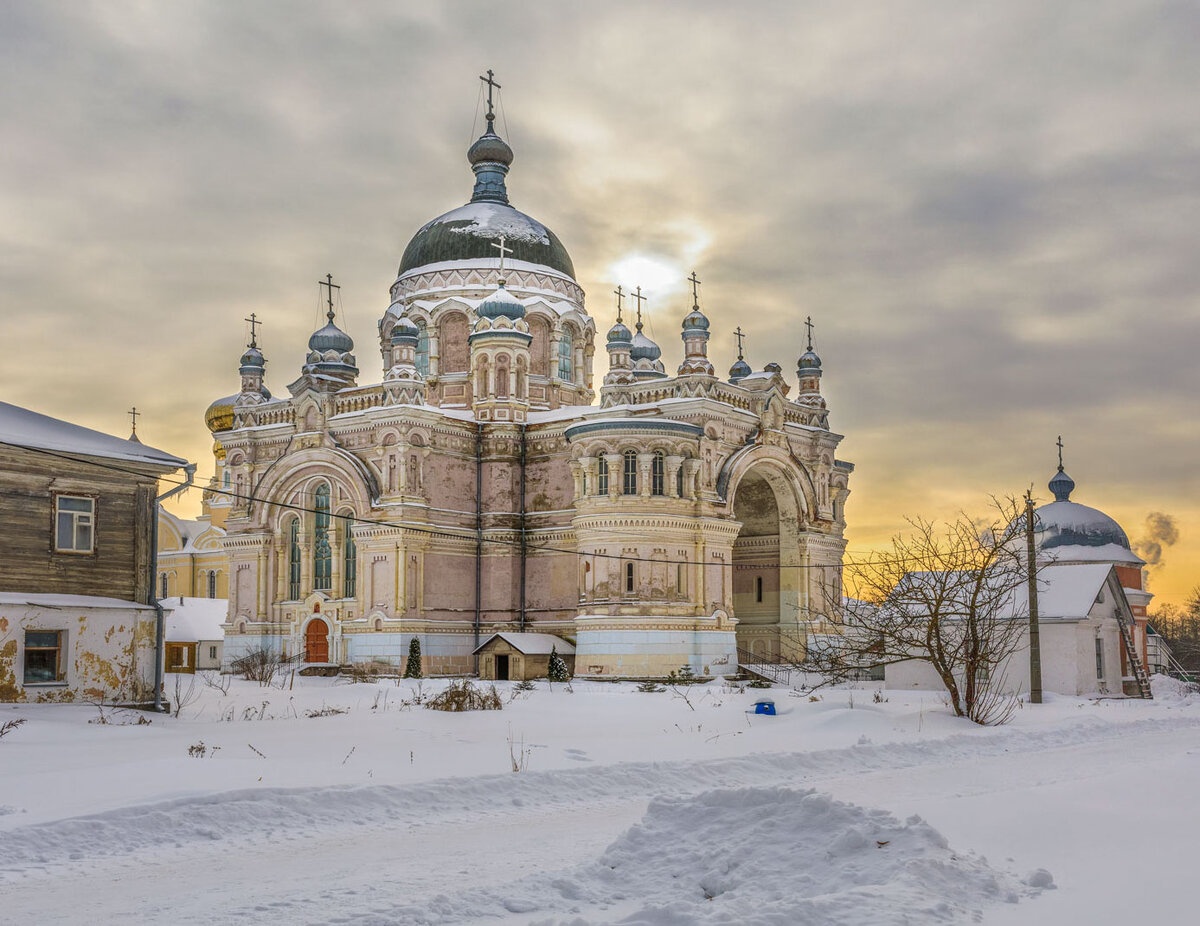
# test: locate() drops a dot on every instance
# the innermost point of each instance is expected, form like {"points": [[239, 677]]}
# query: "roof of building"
{"points": [[192, 620], [532, 644], [24, 428]]}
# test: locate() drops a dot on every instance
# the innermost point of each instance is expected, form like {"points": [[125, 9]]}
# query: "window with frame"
{"points": [[680, 579], [212, 584], [422, 357], [679, 481], [74, 523], [294, 560], [349, 565], [163, 583], [758, 589], [43, 656], [322, 551], [658, 474], [629, 473], [566, 356], [225, 479], [212, 652], [1099, 658], [602, 477], [630, 577]]}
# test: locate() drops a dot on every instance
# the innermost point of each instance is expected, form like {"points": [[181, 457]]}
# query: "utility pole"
{"points": [[1035, 640]]}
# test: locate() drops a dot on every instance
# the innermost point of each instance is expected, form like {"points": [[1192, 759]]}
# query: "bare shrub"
{"points": [[184, 695], [10, 725], [216, 681], [260, 665], [326, 711], [198, 750], [463, 696]]}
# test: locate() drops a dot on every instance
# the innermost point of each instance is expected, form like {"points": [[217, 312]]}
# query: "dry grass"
{"points": [[463, 696]]}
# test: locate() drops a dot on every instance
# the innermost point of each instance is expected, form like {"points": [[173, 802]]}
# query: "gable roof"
{"points": [[531, 644], [193, 620], [21, 427]]}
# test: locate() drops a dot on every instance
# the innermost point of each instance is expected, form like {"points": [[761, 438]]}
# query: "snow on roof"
{"points": [[531, 644], [24, 428], [191, 620], [69, 602], [1070, 590], [1105, 553]]}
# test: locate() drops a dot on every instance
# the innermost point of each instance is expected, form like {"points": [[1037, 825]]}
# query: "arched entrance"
{"points": [[316, 641], [767, 581]]}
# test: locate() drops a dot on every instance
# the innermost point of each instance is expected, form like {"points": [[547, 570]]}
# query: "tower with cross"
{"points": [[695, 337], [618, 344], [490, 156], [740, 369], [808, 369]]}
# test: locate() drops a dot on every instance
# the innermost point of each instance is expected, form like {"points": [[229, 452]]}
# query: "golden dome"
{"points": [[219, 415]]}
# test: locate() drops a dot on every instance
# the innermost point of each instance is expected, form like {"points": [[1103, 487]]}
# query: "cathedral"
{"points": [[485, 485]]}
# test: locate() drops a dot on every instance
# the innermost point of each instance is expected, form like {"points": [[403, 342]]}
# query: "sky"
{"points": [[983, 207]]}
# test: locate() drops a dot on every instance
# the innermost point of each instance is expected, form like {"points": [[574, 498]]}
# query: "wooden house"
{"points": [[520, 656], [77, 616]]}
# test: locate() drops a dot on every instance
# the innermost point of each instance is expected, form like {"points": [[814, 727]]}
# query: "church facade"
{"points": [[486, 484]]}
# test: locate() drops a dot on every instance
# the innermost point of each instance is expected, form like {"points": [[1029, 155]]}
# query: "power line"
{"points": [[471, 536]]}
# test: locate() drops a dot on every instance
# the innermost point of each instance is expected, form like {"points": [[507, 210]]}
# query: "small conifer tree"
{"points": [[557, 671], [412, 668]]}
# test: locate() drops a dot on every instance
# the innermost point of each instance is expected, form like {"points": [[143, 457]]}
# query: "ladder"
{"points": [[1139, 669]]}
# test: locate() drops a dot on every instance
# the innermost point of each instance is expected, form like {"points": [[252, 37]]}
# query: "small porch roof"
{"points": [[531, 644]]}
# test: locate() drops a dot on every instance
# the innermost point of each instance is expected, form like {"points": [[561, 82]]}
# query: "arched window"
{"points": [[225, 480], [294, 560], [629, 579], [349, 564], [566, 356], [164, 586], [322, 552], [658, 470], [502, 376], [602, 477], [679, 481], [212, 584], [629, 481], [422, 360]]}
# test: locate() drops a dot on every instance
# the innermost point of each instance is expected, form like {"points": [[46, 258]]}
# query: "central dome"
{"points": [[469, 232]]}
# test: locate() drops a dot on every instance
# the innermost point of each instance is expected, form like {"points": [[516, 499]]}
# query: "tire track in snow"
{"points": [[271, 814]]}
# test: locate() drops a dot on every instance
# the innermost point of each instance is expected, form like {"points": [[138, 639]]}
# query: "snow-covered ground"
{"points": [[628, 807]]}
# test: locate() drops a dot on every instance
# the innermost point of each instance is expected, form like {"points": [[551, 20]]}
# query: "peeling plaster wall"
{"points": [[106, 652]]}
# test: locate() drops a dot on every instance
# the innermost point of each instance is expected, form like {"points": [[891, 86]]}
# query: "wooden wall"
{"points": [[119, 565]]}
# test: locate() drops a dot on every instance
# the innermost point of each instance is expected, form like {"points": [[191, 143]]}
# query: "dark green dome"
{"points": [[468, 233]]}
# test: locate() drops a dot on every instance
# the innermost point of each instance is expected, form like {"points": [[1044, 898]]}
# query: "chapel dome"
{"points": [[1072, 532], [644, 348], [619, 334], [501, 303], [219, 415]]}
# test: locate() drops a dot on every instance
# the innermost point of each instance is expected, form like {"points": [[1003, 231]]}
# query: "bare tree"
{"points": [[948, 595], [1180, 627]]}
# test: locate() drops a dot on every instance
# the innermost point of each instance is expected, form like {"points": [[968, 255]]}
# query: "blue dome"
{"points": [[404, 331], [252, 361], [644, 349], [739, 370], [620, 336], [809, 360], [1062, 486], [331, 337], [695, 320], [1069, 524], [501, 303]]}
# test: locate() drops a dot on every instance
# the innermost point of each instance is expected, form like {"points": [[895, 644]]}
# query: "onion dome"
{"points": [[643, 348], [808, 361], [695, 321], [252, 361], [404, 331], [1062, 486], [501, 303], [739, 371], [331, 337], [490, 148], [620, 336], [219, 415]]}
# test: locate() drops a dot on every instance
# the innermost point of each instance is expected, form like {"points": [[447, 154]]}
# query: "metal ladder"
{"points": [[1139, 670]]}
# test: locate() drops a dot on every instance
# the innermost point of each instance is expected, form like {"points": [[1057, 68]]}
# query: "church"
{"points": [[485, 484]]}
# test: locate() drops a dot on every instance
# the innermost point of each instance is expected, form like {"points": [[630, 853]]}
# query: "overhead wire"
{"points": [[467, 535]]}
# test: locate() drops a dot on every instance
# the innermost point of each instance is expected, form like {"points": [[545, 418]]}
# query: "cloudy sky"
{"points": [[984, 207]]}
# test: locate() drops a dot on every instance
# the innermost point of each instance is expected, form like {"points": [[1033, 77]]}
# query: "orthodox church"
{"points": [[485, 485]]}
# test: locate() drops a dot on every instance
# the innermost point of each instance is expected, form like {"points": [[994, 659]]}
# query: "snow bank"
{"points": [[1172, 691], [749, 856]]}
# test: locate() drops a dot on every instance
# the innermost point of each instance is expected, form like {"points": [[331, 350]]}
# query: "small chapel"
{"points": [[487, 484]]}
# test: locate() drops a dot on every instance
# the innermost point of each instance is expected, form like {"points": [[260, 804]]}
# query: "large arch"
{"points": [[769, 585]]}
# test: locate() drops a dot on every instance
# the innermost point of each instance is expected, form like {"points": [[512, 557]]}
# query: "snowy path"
{"points": [[355, 854]]}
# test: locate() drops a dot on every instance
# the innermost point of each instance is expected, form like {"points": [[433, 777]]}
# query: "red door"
{"points": [[316, 641]]}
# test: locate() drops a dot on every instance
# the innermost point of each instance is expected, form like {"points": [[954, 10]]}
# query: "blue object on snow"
{"points": [[764, 706]]}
